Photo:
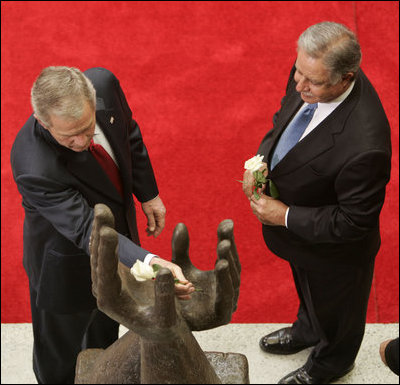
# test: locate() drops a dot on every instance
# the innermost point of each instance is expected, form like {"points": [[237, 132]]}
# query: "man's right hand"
{"points": [[248, 182], [184, 288]]}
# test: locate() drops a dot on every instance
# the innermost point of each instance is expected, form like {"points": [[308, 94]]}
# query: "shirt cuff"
{"points": [[286, 216], [148, 258]]}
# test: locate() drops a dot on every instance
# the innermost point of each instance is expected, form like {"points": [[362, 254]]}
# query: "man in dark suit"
{"points": [[330, 171], [389, 352], [79, 148]]}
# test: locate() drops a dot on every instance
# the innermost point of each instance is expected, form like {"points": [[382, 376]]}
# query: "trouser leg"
{"points": [[58, 339], [101, 332], [304, 329], [336, 302]]}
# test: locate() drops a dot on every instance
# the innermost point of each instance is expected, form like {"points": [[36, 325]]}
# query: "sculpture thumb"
{"points": [[164, 311], [180, 245]]}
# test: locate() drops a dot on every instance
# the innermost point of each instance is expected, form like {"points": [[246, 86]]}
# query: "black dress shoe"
{"points": [[300, 376], [281, 342]]}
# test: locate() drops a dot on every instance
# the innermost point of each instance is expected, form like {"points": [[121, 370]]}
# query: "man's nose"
{"points": [[302, 85], [80, 140]]}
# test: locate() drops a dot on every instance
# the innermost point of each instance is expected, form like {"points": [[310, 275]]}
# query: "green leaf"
{"points": [[156, 267], [256, 195], [259, 177], [273, 189]]}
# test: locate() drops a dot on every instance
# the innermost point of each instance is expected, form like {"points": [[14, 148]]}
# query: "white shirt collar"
{"points": [[325, 109]]}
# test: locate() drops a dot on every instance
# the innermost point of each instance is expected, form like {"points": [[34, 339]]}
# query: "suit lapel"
{"points": [[314, 144], [110, 123], [320, 140], [85, 167]]}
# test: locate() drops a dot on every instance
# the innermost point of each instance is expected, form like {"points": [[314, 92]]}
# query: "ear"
{"points": [[41, 123], [349, 77]]}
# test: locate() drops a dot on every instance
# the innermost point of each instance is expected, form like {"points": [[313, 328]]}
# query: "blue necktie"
{"points": [[293, 133]]}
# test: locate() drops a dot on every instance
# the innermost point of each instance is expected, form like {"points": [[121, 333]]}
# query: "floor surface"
{"points": [[16, 353]]}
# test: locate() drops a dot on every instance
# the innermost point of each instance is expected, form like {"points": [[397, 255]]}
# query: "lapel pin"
{"points": [[112, 119]]}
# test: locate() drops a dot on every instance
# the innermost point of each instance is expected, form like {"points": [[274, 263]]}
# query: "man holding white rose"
{"points": [[327, 160], [81, 147]]}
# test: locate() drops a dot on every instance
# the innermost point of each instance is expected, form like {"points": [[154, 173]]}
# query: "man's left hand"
{"points": [[269, 211], [382, 348], [155, 212]]}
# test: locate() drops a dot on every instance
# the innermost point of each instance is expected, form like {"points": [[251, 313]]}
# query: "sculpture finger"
{"points": [[102, 217], [108, 280], [224, 251], [164, 310], [180, 246], [224, 294], [225, 231], [153, 321]]}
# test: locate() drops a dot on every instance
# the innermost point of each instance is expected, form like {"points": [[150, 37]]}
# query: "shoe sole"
{"points": [[281, 352]]}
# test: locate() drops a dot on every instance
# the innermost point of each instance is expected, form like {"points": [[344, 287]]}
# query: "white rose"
{"points": [[254, 164], [142, 272]]}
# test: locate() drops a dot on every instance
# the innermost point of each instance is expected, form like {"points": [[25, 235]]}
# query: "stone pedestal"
{"points": [[231, 368], [159, 347]]}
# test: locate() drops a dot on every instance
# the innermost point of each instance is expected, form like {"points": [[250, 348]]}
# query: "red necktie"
{"points": [[108, 165]]}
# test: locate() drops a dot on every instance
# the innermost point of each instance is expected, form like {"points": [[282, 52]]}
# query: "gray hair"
{"points": [[61, 91], [336, 44]]}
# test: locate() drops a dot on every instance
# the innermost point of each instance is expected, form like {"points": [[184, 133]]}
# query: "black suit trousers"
{"points": [[332, 315], [58, 339]]}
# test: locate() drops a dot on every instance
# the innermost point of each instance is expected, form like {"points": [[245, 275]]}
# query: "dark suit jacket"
{"points": [[59, 189], [333, 180], [392, 355]]}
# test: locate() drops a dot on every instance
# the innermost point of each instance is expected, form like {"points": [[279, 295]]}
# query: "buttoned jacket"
{"points": [[334, 181], [59, 189]]}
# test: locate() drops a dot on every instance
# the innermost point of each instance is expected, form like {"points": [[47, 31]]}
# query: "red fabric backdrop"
{"points": [[204, 80]]}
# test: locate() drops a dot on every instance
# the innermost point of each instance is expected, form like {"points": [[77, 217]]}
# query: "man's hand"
{"points": [[382, 348], [248, 182], [155, 212], [269, 211], [184, 288]]}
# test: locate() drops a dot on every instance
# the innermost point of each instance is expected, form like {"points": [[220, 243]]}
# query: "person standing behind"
{"points": [[389, 352], [328, 156], [80, 147]]}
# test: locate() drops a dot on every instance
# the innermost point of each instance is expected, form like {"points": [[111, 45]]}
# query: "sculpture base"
{"points": [[231, 368]]}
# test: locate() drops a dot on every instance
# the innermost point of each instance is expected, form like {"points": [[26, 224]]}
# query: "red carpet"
{"points": [[204, 80]]}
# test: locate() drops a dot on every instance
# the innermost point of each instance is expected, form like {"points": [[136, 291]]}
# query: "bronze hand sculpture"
{"points": [[159, 346]]}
